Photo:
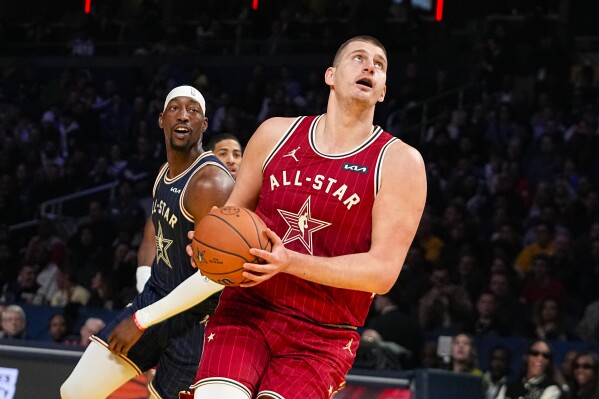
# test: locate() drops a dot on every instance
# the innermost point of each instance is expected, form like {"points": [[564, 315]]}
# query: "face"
{"points": [[568, 362], [537, 359], [499, 362], [461, 347], [229, 151], [485, 305], [360, 72], [183, 123], [549, 310], [58, 327], [12, 323], [27, 276], [585, 370]]}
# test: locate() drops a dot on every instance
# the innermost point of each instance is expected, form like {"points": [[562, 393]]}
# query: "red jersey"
{"points": [[319, 204]]}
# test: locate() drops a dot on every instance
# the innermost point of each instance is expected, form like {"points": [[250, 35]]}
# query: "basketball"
{"points": [[222, 242]]}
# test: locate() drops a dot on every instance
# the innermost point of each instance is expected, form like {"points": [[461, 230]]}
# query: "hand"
{"points": [[276, 261], [124, 336], [189, 249]]}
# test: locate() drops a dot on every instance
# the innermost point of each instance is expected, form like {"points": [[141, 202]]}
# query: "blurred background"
{"points": [[500, 97]]}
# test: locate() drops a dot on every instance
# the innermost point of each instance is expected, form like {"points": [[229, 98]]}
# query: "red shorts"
{"points": [[271, 353]]}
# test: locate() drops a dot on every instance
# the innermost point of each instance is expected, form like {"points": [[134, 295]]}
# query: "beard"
{"points": [[182, 147]]}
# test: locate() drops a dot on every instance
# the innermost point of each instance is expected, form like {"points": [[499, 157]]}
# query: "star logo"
{"points": [[211, 337], [162, 245], [302, 225]]}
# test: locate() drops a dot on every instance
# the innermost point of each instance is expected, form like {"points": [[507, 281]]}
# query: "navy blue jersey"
{"points": [[172, 222]]}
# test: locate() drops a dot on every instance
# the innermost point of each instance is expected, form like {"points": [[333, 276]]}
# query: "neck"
{"points": [[342, 130], [179, 161]]}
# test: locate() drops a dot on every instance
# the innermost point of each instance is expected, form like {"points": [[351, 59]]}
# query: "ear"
{"points": [[160, 120], [205, 124], [328, 76], [382, 97]]}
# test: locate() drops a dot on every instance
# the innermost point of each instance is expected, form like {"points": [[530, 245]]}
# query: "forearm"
{"points": [[187, 294], [361, 271]]}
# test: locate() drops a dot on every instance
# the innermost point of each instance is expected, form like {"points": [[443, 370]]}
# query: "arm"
{"points": [[395, 217], [145, 255], [210, 187]]}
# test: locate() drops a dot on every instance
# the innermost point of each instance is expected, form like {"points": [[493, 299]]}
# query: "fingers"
{"points": [[115, 346], [276, 240], [190, 234]]}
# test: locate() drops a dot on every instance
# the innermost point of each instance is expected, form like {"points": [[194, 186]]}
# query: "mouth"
{"points": [[181, 130], [365, 82]]}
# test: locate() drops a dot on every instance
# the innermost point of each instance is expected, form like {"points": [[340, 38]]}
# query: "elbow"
{"points": [[383, 287], [385, 280]]}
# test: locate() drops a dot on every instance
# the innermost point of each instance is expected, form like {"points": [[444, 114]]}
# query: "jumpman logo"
{"points": [[292, 154], [348, 346]]}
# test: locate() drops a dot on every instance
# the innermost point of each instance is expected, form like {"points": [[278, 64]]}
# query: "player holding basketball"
{"points": [[346, 198], [187, 187]]}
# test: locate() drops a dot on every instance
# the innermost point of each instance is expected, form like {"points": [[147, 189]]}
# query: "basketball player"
{"points": [[187, 187], [343, 200], [228, 149]]}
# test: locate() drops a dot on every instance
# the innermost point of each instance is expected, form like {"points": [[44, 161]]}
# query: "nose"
{"points": [[183, 115], [369, 66]]}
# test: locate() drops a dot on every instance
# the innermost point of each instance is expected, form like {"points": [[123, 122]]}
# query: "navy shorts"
{"points": [[173, 346]]}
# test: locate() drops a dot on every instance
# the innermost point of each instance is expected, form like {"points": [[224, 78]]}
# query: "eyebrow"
{"points": [[363, 50]]}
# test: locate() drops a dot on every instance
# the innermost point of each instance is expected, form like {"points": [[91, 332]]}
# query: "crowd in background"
{"points": [[508, 244]]}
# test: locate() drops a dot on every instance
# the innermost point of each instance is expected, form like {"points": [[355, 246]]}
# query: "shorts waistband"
{"points": [[341, 326]]}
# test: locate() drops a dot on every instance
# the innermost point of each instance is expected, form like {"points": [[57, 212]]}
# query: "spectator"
{"points": [[509, 308], [496, 377], [445, 306], [14, 323], [91, 326], [102, 294], [541, 284], [86, 254], [24, 288], [543, 243], [125, 211], [487, 321], [549, 321], [395, 325], [537, 377], [585, 384], [464, 356], [427, 239], [58, 328], [68, 290], [564, 374], [588, 327], [46, 275]]}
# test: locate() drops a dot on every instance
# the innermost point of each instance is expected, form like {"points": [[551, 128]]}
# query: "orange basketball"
{"points": [[222, 242]]}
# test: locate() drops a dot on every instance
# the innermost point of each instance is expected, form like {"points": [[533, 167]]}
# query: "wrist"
{"points": [[138, 324]]}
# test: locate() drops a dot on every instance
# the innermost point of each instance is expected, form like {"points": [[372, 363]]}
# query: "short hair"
{"points": [[14, 309], [217, 138], [361, 38]]}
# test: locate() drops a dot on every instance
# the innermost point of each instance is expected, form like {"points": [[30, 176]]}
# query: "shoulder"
{"points": [[272, 128], [402, 153], [210, 177], [403, 161], [265, 138], [551, 392]]}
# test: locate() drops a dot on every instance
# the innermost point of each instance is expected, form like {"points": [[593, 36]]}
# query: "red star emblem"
{"points": [[302, 225]]}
